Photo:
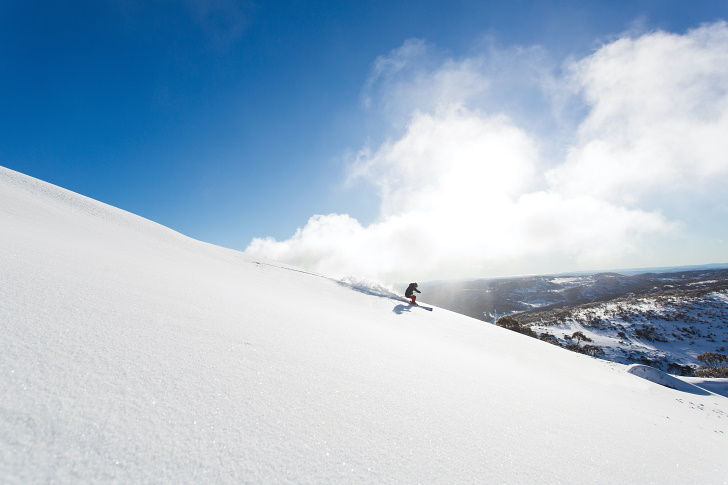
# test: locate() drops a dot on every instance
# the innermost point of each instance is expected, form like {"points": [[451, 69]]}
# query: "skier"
{"points": [[409, 293]]}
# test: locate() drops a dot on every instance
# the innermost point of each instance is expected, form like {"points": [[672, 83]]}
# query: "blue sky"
{"points": [[234, 120]]}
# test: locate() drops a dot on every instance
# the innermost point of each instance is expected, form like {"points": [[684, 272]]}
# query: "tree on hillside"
{"points": [[511, 323], [713, 359], [592, 350], [579, 337], [547, 337], [716, 365]]}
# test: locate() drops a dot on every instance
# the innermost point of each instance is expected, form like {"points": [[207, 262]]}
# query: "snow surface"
{"points": [[130, 353]]}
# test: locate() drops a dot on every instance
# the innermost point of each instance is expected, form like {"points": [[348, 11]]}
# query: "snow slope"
{"points": [[130, 353]]}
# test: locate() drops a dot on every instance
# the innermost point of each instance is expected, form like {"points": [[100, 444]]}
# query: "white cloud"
{"points": [[658, 118], [450, 161], [466, 188]]}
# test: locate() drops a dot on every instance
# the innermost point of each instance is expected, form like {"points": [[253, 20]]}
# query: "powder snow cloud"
{"points": [[501, 162]]}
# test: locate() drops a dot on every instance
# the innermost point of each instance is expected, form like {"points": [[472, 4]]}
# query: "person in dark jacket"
{"points": [[410, 293]]}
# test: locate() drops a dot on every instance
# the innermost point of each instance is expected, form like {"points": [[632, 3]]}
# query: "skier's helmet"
{"points": [[415, 284]]}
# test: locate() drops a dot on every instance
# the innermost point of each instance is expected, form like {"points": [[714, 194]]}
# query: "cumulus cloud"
{"points": [[658, 118], [467, 187]]}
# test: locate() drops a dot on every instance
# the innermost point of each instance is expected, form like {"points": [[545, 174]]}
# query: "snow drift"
{"points": [[664, 379], [131, 353]]}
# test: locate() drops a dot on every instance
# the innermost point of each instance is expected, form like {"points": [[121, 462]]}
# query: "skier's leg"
{"points": [[413, 298]]}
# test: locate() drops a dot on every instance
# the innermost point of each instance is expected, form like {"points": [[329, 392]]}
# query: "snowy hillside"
{"points": [[132, 354], [663, 319], [666, 330]]}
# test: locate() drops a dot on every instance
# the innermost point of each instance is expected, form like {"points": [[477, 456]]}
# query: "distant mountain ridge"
{"points": [[663, 319], [488, 299]]}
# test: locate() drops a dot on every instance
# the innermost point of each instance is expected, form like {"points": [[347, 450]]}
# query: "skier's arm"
{"points": [[418, 291]]}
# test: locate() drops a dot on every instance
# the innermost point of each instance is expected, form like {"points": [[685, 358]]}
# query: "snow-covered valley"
{"points": [[133, 354]]}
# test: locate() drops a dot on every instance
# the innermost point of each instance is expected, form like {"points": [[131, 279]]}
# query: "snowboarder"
{"points": [[409, 293]]}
